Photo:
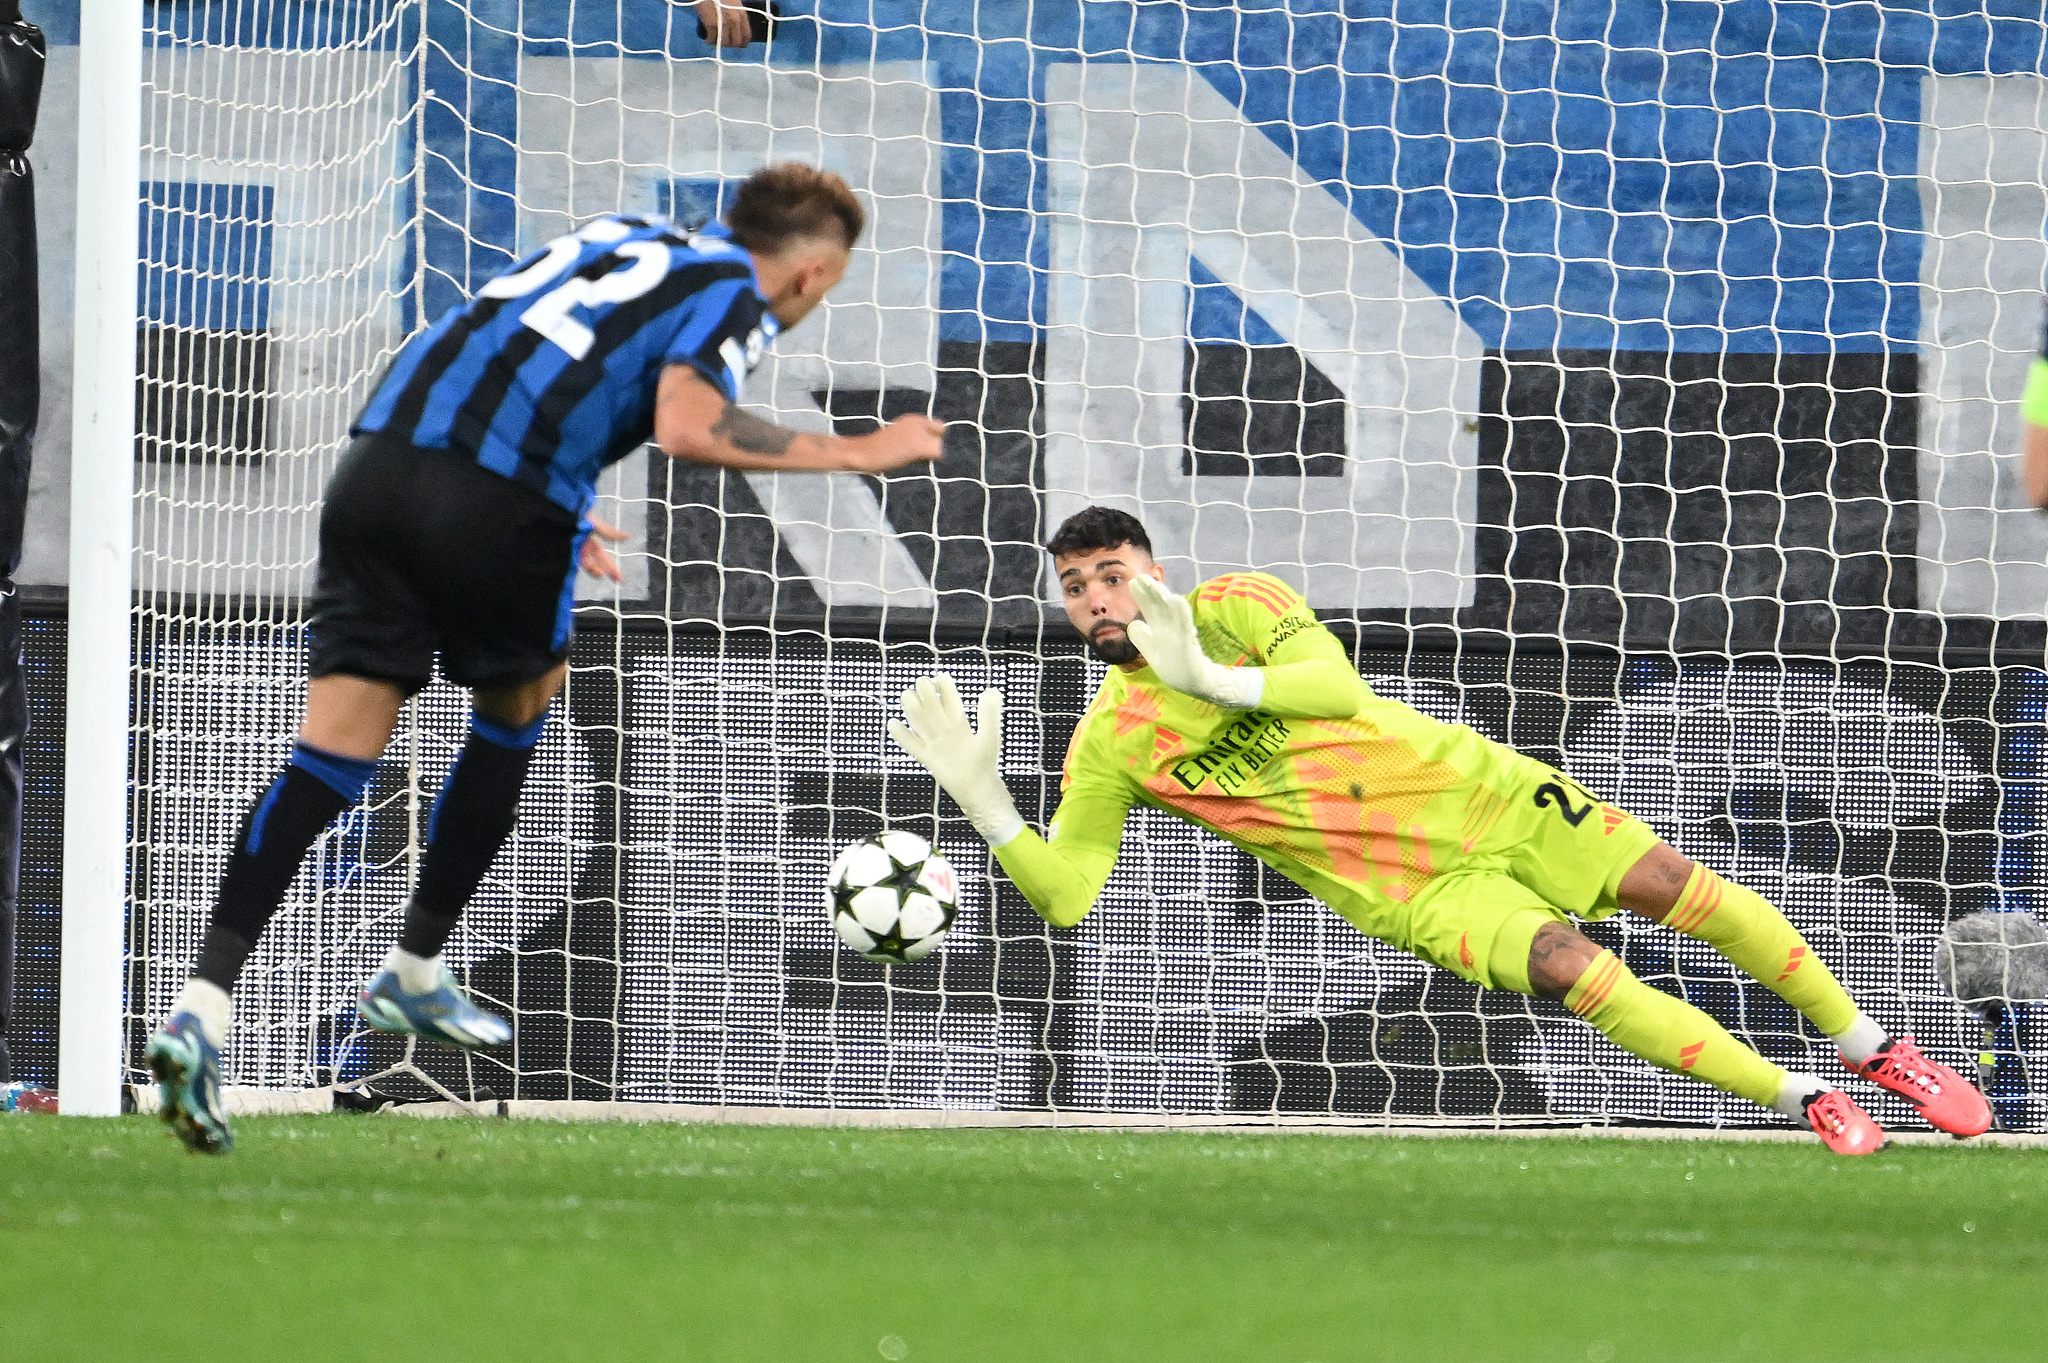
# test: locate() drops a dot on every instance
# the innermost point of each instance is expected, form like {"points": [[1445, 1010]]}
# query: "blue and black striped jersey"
{"points": [[549, 373]]}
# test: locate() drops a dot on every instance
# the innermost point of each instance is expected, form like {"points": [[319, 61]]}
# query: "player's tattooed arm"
{"points": [[697, 420], [745, 431]]}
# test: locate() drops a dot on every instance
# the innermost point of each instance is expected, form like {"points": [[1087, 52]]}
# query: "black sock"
{"points": [[221, 954], [313, 788], [475, 813]]}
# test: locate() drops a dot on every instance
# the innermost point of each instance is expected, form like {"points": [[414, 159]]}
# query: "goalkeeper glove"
{"points": [[966, 762], [1165, 633]]}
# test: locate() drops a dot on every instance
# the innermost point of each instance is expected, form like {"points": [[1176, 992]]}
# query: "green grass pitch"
{"points": [[381, 1237]]}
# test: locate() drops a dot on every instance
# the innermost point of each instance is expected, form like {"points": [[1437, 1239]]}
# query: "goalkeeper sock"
{"points": [[1796, 1092], [1670, 1033], [1743, 926], [472, 817], [1862, 1040], [314, 787]]}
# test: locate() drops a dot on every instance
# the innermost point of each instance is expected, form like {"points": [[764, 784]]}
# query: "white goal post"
{"points": [[92, 1063], [1622, 389]]}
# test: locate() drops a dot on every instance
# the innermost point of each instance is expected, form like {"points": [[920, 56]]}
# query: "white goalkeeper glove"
{"points": [[966, 762], [1165, 633]]}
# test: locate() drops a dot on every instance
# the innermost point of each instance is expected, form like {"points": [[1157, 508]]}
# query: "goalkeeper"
{"points": [[1235, 709]]}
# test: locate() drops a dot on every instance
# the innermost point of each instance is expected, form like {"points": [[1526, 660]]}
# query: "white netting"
{"points": [[1566, 362]]}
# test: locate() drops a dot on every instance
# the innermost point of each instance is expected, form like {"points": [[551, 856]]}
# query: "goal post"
{"points": [[98, 723], [1617, 386]]}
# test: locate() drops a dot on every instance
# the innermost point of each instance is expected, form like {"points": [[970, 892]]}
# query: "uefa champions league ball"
{"points": [[892, 898]]}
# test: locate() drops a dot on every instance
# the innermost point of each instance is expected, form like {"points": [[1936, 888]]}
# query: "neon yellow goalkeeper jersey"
{"points": [[1362, 812]]}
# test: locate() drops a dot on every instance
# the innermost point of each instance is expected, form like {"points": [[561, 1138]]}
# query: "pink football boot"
{"points": [[1845, 1127], [1948, 1101]]}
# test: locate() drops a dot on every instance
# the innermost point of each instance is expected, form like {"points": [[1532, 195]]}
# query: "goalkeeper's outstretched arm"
{"points": [[1062, 877]]}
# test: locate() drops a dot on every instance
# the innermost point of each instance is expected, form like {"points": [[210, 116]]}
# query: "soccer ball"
{"points": [[892, 898]]}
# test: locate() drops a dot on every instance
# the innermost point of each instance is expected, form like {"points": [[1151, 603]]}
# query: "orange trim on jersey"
{"points": [[1465, 828], [1386, 852], [1793, 960], [1166, 743], [1347, 731], [1597, 983], [1688, 1054], [1269, 597], [1224, 813], [1272, 596], [1313, 772], [1137, 710], [1237, 584], [1482, 811], [1418, 838], [1336, 818], [1698, 906]]}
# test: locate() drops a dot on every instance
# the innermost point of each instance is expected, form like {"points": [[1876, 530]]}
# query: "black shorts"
{"points": [[426, 551]]}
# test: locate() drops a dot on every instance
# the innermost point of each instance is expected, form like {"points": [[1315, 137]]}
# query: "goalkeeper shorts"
{"points": [[1555, 852]]}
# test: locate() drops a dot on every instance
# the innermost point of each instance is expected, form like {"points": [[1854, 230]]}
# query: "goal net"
{"points": [[1618, 381]]}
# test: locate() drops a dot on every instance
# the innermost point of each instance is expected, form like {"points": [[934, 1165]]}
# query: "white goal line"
{"points": [[241, 1101]]}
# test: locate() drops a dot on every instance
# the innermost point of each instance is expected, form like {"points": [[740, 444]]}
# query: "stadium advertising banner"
{"points": [[658, 924], [1636, 383]]}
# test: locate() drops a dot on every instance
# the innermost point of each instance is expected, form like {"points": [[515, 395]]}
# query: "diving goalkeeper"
{"points": [[1235, 709]]}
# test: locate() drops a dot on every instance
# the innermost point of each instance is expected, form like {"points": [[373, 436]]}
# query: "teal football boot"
{"points": [[187, 1070], [443, 1013]]}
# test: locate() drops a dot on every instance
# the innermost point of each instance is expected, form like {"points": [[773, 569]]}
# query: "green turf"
{"points": [[382, 1237]]}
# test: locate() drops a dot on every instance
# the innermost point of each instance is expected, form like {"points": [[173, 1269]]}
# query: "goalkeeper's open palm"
{"points": [[965, 759], [938, 729], [1165, 633]]}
